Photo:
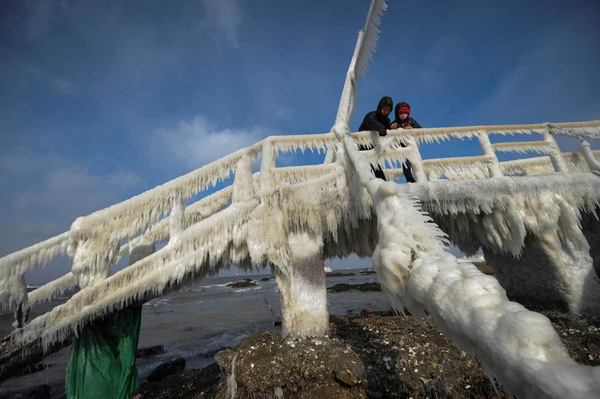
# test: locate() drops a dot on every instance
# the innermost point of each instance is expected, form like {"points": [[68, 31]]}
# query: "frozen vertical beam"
{"points": [[555, 156], [267, 164], [591, 160], [302, 289], [243, 185], [176, 219], [415, 159], [301, 280], [494, 166]]}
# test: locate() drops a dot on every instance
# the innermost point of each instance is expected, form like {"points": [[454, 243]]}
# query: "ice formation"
{"points": [[291, 218]]}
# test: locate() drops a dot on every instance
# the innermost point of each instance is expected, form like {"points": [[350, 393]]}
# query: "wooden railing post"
{"points": [[176, 219], [555, 156], [243, 185], [267, 164], [486, 146], [415, 158]]}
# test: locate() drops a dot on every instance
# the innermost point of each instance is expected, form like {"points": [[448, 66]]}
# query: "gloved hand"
{"points": [[383, 132]]}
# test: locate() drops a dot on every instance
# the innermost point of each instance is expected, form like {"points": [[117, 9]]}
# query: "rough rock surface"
{"points": [[167, 369], [371, 356], [150, 351], [365, 287], [242, 283], [338, 274]]}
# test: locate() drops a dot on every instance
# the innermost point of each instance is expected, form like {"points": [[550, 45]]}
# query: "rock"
{"points": [[167, 369], [347, 377], [247, 282], [366, 287], [367, 272], [193, 383], [266, 279], [150, 351], [338, 274]]}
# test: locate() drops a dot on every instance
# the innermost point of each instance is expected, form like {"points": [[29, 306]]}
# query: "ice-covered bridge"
{"points": [[534, 218]]}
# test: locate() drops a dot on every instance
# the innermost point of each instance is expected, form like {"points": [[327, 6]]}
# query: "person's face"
{"points": [[385, 111], [403, 115]]}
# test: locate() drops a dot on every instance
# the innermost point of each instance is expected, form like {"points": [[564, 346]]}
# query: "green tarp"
{"points": [[102, 363]]}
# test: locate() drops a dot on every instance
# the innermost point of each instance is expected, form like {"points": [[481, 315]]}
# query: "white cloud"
{"points": [[199, 141], [225, 17]]}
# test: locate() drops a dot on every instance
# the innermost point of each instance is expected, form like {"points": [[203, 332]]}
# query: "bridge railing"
{"points": [[96, 242], [388, 150], [157, 215]]}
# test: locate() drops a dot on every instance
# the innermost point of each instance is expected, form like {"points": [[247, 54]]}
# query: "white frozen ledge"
{"points": [[451, 197]]}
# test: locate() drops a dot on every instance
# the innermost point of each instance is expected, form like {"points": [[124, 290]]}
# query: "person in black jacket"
{"points": [[404, 121], [378, 121]]}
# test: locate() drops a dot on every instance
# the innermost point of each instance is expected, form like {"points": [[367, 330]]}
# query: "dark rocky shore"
{"points": [[372, 355]]}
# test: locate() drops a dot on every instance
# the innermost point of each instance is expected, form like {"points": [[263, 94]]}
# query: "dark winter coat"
{"points": [[406, 166], [375, 120]]}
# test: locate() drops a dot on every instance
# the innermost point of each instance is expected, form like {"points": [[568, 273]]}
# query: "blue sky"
{"points": [[103, 100]]}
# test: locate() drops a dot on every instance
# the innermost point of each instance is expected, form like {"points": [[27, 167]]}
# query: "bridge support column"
{"points": [[302, 289], [551, 272]]}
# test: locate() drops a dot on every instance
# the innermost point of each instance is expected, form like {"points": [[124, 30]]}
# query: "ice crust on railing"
{"points": [[317, 143], [523, 147], [51, 290], [201, 249], [299, 174], [13, 289], [542, 165], [128, 218]]}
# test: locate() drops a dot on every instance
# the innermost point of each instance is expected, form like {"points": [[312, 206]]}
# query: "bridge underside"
{"points": [[540, 234]]}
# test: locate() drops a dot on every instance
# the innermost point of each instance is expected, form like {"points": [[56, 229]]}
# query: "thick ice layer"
{"points": [[517, 346]]}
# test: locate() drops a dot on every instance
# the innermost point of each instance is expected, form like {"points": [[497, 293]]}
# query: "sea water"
{"points": [[200, 319]]}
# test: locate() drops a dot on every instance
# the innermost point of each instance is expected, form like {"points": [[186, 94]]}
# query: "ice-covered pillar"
{"points": [[176, 219], [488, 151], [555, 155], [267, 164], [591, 160], [302, 289], [415, 159], [243, 185]]}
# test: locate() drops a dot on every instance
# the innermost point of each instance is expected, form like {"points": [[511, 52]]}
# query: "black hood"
{"points": [[385, 101]]}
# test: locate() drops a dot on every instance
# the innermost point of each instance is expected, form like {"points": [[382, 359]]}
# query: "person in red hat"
{"points": [[404, 121]]}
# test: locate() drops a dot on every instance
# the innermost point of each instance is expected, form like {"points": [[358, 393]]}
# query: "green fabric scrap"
{"points": [[102, 363]]}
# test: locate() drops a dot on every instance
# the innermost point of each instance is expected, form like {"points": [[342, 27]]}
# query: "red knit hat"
{"points": [[404, 109]]}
